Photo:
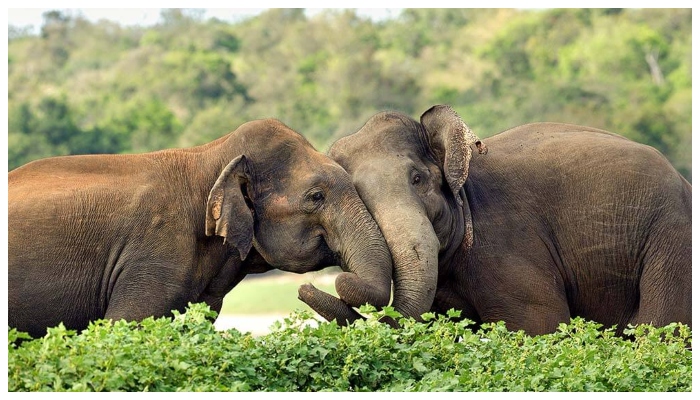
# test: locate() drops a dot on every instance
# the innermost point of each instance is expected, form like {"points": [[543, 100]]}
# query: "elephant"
{"points": [[132, 236], [551, 221]]}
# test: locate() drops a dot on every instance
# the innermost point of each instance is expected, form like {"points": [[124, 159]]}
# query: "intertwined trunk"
{"points": [[365, 260], [414, 249]]}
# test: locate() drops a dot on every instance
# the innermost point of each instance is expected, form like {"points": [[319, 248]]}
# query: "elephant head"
{"points": [[301, 212], [410, 175]]}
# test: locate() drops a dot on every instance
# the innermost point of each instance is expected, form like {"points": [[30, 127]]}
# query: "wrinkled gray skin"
{"points": [[567, 221], [133, 236]]}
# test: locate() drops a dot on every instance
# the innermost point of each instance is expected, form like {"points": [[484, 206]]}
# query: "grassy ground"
{"points": [[274, 293]]}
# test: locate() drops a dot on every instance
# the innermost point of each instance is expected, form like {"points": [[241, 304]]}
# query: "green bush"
{"points": [[188, 354]]}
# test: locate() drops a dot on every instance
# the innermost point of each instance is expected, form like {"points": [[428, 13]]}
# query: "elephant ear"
{"points": [[228, 214], [450, 141]]}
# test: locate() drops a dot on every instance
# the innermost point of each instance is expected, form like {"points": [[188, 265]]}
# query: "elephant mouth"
{"points": [[309, 255], [300, 269], [342, 264]]}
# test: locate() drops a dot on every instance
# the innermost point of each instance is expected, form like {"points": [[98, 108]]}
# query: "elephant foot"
{"points": [[328, 306]]}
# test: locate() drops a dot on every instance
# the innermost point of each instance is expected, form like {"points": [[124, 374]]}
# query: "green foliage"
{"points": [[623, 70], [188, 354]]}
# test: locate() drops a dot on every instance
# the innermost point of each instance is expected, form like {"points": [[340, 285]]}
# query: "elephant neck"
{"points": [[456, 245], [221, 151], [255, 264], [193, 171]]}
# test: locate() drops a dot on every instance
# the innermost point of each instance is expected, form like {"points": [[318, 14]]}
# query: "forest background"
{"points": [[82, 87]]}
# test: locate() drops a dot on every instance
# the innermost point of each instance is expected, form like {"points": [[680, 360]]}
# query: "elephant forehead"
{"points": [[383, 163], [375, 172], [321, 171], [387, 149], [278, 207], [320, 163], [387, 142]]}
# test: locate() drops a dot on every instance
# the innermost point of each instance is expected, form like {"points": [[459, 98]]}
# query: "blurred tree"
{"points": [[23, 148], [100, 87], [56, 35], [141, 124], [54, 120]]}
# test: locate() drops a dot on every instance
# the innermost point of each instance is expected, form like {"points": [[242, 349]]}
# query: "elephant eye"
{"points": [[317, 197], [313, 200], [416, 178]]}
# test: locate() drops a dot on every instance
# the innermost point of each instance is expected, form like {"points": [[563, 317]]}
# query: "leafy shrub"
{"points": [[187, 353]]}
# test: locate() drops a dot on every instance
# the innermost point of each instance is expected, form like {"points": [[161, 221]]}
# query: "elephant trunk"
{"points": [[414, 248], [365, 258]]}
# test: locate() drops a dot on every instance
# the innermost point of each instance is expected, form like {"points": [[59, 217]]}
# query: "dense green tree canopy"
{"points": [[83, 87]]}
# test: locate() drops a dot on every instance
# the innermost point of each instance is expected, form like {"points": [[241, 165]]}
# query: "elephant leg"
{"points": [[220, 286], [143, 291], [523, 295], [665, 285], [229, 276], [449, 297]]}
